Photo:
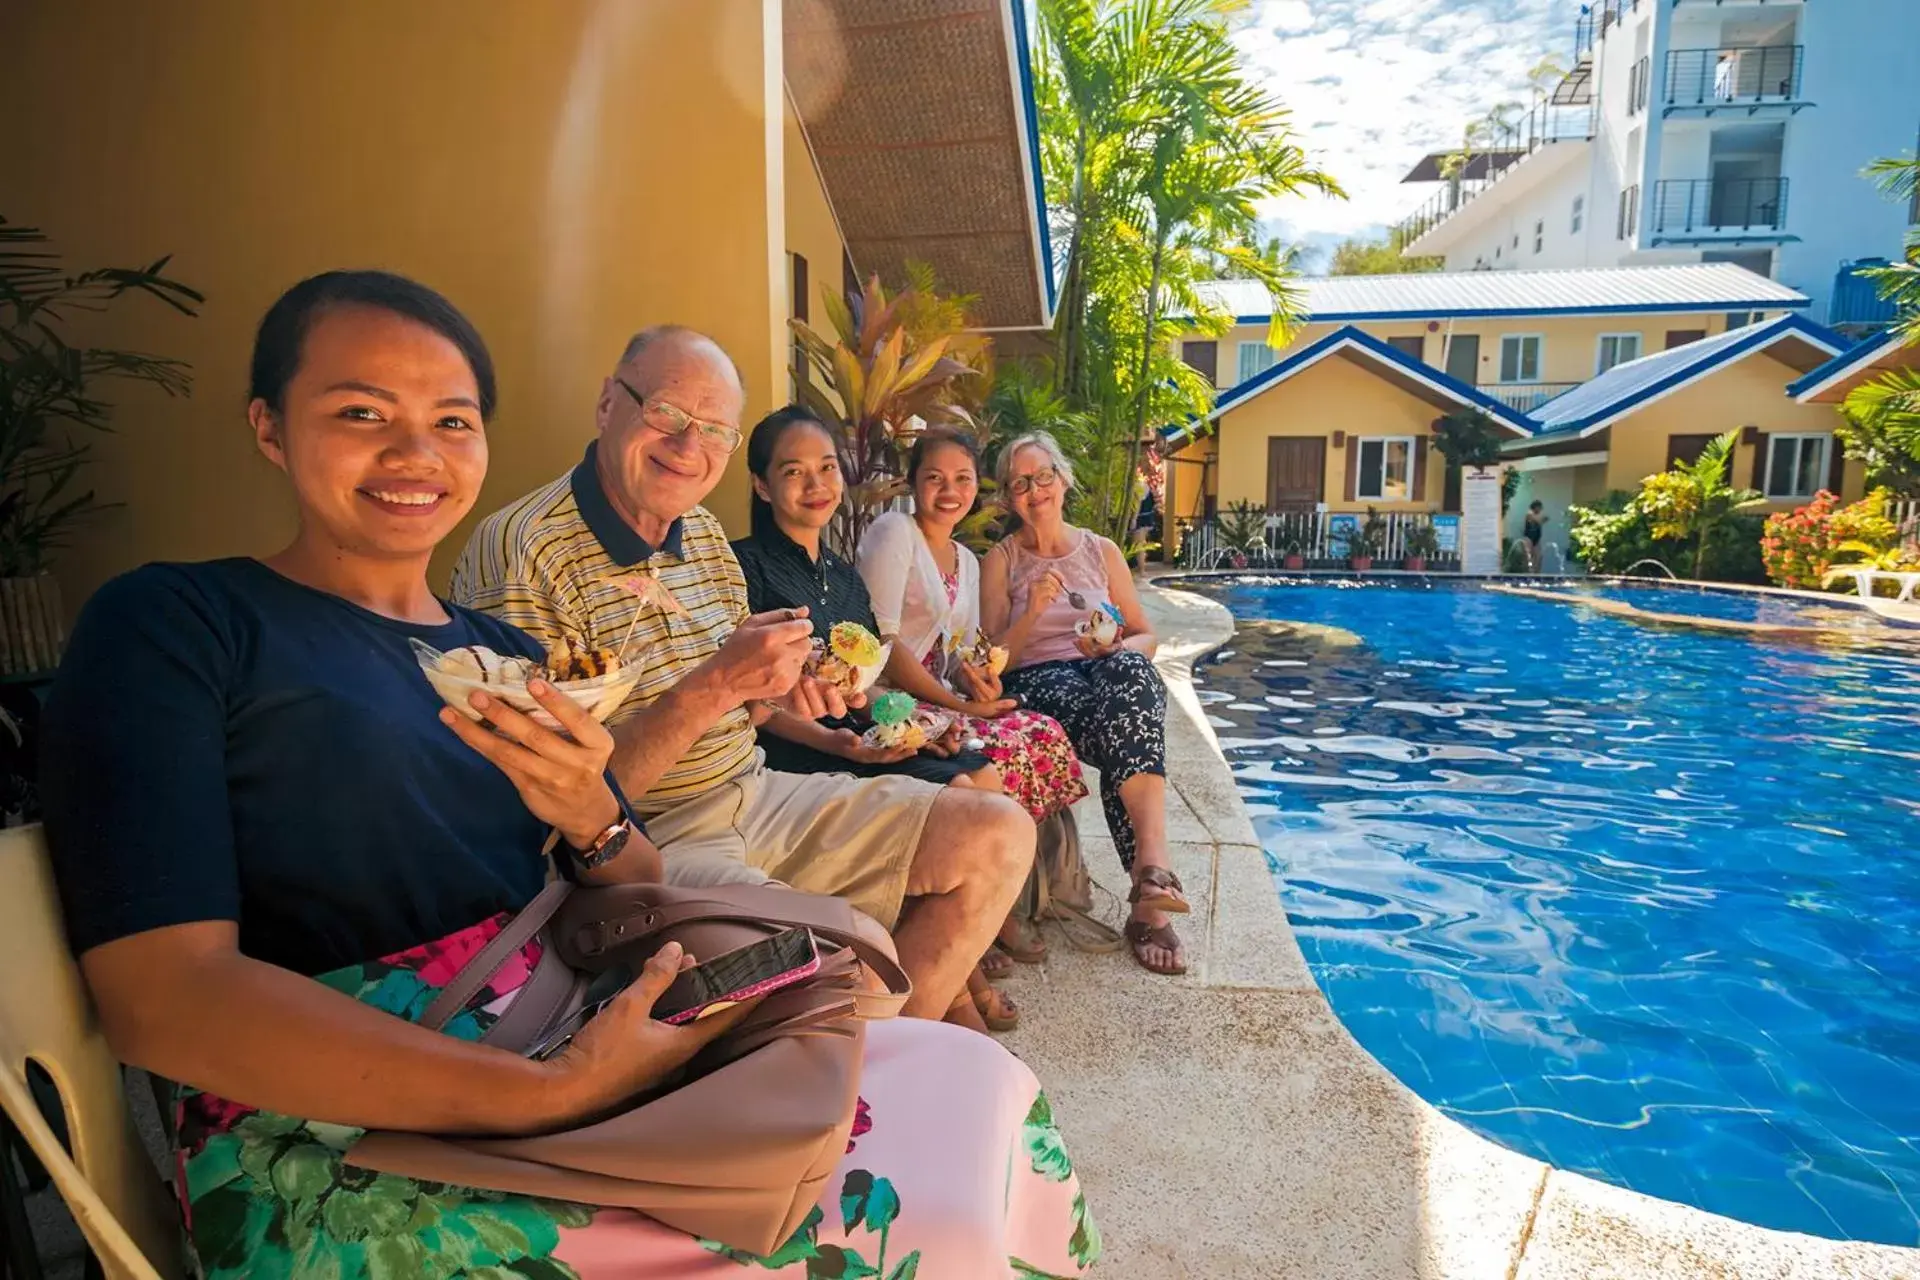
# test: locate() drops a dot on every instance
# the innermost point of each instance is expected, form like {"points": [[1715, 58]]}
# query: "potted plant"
{"points": [[1422, 544], [1294, 551], [48, 387], [1243, 531], [1367, 541]]}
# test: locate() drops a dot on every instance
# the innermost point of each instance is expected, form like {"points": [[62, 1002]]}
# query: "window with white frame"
{"points": [[1386, 469], [1616, 348], [1539, 234], [1579, 213], [1255, 357], [1796, 465], [1520, 357]]}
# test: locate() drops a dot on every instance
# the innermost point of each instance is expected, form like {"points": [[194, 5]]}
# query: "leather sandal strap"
{"points": [[1157, 877]]}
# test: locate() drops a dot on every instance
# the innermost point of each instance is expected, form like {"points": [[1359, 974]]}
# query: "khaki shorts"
{"points": [[825, 833]]}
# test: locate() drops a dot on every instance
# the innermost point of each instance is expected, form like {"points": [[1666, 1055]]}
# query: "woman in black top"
{"points": [[797, 487]]}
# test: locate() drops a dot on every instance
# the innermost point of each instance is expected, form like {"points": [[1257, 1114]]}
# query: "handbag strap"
{"points": [[477, 972]]}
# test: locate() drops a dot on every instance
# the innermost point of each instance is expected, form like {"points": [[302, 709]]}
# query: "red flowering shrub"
{"points": [[1799, 546]]}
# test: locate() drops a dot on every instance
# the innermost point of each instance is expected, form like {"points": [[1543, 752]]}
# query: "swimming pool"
{"points": [[1640, 902]]}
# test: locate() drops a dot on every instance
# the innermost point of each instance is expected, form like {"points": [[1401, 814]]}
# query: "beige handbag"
{"points": [[1060, 888], [740, 1148]]}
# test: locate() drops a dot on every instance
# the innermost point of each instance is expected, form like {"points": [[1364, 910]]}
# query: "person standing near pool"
{"points": [[1038, 586], [1532, 530]]}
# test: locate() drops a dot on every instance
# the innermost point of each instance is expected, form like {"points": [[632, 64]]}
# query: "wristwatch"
{"points": [[605, 847]]}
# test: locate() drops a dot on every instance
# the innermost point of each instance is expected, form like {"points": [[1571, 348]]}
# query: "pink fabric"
{"points": [[948, 1129], [1083, 568], [1031, 751]]}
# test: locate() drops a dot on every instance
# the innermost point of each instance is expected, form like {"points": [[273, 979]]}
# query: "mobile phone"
{"points": [[754, 970]]}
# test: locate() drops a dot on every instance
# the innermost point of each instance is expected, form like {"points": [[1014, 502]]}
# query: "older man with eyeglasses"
{"points": [[939, 866]]}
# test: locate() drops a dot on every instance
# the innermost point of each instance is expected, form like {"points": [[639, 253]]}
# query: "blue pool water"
{"points": [[1641, 902]]}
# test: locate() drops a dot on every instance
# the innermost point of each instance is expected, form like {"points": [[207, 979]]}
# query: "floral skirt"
{"points": [[1036, 761], [955, 1172]]}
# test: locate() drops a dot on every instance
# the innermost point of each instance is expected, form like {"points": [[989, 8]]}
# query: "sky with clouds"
{"points": [[1373, 85]]}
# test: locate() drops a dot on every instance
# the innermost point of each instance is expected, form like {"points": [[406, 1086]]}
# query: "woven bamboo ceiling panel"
{"points": [[912, 107]]}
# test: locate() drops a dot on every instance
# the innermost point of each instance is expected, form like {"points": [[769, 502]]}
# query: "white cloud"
{"points": [[1373, 85]]}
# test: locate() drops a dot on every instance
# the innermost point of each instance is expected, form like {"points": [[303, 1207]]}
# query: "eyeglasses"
{"points": [[671, 420], [1045, 478]]}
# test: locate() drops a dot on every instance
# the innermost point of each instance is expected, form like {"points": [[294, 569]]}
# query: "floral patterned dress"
{"points": [[1036, 761], [921, 1195]]}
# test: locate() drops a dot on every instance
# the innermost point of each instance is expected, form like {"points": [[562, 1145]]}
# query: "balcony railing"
{"points": [[1733, 77], [1684, 206], [1544, 124], [1525, 396]]}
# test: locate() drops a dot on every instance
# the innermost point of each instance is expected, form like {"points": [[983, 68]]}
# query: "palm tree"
{"points": [[1161, 149], [1881, 419]]}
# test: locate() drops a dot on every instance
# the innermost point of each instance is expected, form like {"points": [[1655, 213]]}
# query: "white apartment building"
{"points": [[1700, 131]]}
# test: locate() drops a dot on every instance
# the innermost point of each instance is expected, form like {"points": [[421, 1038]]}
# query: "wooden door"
{"points": [[1296, 472], [1681, 337], [1463, 358]]}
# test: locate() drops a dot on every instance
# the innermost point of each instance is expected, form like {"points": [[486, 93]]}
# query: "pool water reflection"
{"points": [[1640, 902]]}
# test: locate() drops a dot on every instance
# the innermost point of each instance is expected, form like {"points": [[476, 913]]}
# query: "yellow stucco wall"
{"points": [[812, 231], [1568, 353], [1750, 392], [566, 172], [1333, 395]]}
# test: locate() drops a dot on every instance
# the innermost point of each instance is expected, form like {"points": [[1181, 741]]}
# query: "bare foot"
{"points": [[1154, 943]]}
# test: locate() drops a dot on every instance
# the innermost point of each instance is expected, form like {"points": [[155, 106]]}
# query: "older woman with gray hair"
{"points": [[1061, 599]]}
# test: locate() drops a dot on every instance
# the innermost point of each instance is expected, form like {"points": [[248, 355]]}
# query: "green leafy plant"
{"points": [[1367, 541], [1243, 528], [49, 386], [1880, 426], [1880, 419], [1160, 151], [1468, 438], [1686, 501], [1423, 541], [879, 382]]}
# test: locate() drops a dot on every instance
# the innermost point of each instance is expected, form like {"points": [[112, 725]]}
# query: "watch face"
{"points": [[608, 847]]}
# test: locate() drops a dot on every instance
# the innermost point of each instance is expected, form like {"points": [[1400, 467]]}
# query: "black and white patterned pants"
{"points": [[1115, 711]]}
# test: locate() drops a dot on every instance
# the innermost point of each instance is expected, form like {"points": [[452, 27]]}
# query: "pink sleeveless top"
{"points": [[1083, 568]]}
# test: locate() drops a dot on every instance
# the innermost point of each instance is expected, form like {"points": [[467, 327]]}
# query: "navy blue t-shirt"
{"points": [[223, 743]]}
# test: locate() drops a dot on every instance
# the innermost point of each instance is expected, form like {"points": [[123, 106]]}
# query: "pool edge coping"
{"points": [[1580, 1211]]}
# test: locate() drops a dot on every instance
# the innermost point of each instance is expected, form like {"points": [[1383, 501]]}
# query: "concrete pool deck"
{"points": [[1227, 1126]]}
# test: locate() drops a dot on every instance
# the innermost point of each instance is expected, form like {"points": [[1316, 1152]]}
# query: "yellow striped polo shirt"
{"points": [[551, 565]]}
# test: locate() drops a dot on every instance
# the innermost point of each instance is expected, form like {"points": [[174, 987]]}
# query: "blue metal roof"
{"points": [[1848, 362], [1689, 287], [1593, 405], [1349, 337]]}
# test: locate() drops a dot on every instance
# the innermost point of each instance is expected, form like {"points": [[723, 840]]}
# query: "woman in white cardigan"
{"points": [[925, 589]]}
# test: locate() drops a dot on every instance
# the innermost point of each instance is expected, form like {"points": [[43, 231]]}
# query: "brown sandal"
{"points": [[1141, 935], [1031, 947], [997, 965], [997, 1009], [1168, 885]]}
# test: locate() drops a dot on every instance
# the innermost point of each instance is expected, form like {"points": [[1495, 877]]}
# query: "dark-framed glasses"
{"points": [[1044, 478], [671, 420]]}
